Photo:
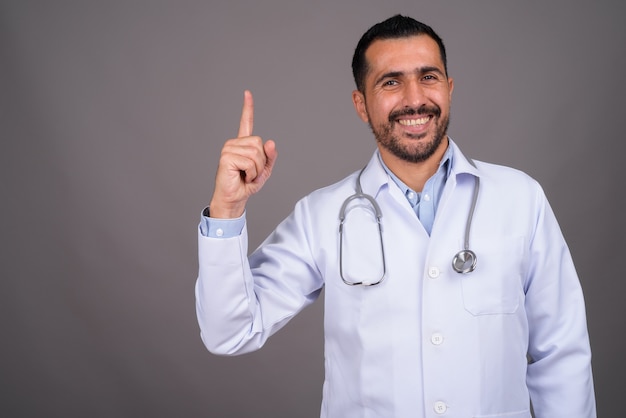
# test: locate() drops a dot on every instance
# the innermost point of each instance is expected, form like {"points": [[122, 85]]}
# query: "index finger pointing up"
{"points": [[247, 115]]}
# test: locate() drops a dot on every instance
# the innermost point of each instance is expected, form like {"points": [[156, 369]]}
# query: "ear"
{"points": [[358, 99], [450, 86]]}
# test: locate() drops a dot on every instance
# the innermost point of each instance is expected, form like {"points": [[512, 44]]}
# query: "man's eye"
{"points": [[429, 77], [390, 83]]}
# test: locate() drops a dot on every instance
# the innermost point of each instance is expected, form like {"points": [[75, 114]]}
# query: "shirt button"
{"points": [[219, 232], [411, 195], [433, 272], [440, 407], [436, 339], [427, 197]]}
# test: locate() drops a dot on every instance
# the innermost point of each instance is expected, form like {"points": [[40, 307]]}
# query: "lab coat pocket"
{"points": [[495, 287]]}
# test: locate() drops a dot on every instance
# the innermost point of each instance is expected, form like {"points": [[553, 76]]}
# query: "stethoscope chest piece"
{"points": [[464, 261]]}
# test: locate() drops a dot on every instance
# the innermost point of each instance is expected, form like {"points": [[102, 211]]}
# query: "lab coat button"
{"points": [[433, 272], [436, 339], [440, 407]]}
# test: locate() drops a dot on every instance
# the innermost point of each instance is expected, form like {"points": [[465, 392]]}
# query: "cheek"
{"points": [[443, 99], [379, 112]]}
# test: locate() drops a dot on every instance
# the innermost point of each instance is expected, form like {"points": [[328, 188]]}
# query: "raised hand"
{"points": [[245, 165]]}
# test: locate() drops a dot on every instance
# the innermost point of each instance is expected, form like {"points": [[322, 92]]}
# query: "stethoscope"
{"points": [[463, 261]]}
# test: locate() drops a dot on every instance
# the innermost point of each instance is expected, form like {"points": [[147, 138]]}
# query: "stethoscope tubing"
{"points": [[463, 261], [342, 217]]}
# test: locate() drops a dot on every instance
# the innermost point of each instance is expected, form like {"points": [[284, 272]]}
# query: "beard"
{"points": [[420, 149]]}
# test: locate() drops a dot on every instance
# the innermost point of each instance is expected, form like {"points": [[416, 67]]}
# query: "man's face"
{"points": [[407, 97]]}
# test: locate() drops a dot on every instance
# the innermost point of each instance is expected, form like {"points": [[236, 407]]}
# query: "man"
{"points": [[410, 328]]}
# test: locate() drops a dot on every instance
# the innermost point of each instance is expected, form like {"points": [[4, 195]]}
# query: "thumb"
{"points": [[270, 152]]}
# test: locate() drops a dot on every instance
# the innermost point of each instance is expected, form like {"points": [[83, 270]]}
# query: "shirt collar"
{"points": [[375, 176], [445, 166]]}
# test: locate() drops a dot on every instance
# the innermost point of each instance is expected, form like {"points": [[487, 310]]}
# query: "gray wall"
{"points": [[112, 115]]}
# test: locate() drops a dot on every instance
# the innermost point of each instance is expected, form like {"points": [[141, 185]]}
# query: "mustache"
{"points": [[411, 111]]}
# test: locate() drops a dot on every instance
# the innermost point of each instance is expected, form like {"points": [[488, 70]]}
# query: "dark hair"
{"points": [[395, 27]]}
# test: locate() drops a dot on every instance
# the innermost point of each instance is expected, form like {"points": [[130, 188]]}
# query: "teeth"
{"points": [[413, 122]]}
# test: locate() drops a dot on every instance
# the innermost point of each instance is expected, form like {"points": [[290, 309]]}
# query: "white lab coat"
{"points": [[427, 341]]}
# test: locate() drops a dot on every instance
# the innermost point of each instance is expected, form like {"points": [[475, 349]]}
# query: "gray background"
{"points": [[112, 117]]}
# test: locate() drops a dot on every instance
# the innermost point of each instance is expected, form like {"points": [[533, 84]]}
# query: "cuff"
{"points": [[220, 228]]}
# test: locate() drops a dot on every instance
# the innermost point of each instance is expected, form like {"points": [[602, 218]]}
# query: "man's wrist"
{"points": [[218, 211]]}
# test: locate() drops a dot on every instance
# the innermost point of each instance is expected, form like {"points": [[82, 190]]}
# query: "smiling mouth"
{"points": [[414, 122]]}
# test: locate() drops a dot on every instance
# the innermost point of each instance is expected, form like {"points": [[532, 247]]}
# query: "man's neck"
{"points": [[415, 175]]}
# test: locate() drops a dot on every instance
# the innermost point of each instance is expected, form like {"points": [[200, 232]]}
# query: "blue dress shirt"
{"points": [[425, 203]]}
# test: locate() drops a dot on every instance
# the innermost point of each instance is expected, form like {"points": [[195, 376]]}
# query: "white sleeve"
{"points": [[559, 374], [241, 301]]}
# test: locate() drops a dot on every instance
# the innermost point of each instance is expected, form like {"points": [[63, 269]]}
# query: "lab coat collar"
{"points": [[462, 164], [375, 178]]}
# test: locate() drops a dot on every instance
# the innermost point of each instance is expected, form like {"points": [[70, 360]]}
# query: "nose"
{"points": [[413, 94]]}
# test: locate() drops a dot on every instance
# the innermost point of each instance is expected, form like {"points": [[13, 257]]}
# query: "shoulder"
{"points": [[502, 171], [509, 184], [493, 175], [332, 194]]}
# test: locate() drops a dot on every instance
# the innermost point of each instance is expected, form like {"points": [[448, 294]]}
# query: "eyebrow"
{"points": [[419, 70]]}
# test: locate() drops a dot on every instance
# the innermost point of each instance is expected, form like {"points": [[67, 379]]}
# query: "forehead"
{"points": [[403, 54]]}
